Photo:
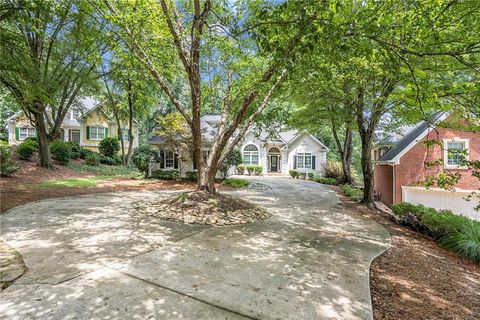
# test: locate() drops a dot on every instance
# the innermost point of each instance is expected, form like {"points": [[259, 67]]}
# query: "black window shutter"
{"points": [[313, 162], [175, 161], [162, 159], [294, 162]]}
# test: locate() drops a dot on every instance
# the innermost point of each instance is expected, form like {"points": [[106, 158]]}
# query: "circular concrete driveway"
{"points": [[94, 257]]}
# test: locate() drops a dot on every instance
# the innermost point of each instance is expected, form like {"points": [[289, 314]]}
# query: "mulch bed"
{"points": [[200, 207], [417, 279]]}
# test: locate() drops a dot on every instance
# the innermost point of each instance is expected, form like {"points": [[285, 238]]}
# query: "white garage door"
{"points": [[442, 199]]}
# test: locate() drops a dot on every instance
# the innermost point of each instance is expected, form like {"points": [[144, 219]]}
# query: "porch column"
{"points": [[65, 134], [264, 162]]}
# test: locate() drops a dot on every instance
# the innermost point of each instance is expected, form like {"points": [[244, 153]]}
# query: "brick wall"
{"points": [[384, 183], [412, 169]]}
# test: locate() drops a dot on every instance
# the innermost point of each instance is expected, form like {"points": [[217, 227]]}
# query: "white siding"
{"points": [[306, 144], [442, 199]]}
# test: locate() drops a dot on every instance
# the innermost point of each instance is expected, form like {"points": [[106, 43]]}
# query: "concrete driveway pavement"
{"points": [[94, 257]]}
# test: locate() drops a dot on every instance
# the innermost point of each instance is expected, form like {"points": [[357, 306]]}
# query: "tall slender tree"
{"points": [[214, 44]]}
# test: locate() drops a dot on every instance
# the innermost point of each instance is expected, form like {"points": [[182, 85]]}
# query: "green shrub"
{"points": [[111, 161], [302, 175], [33, 140], [353, 193], [166, 174], [26, 149], [258, 170], [250, 169], [61, 151], [333, 169], [7, 166], [233, 158], [142, 157], [293, 173], [74, 149], [323, 180], [84, 152], [241, 169], [455, 232], [191, 175], [311, 175], [236, 183], [465, 241], [92, 159], [109, 147]]}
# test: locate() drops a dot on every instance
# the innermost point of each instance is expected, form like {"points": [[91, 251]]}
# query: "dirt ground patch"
{"points": [[15, 190], [416, 279], [200, 207]]}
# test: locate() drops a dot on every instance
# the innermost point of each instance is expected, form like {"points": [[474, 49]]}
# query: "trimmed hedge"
{"points": [[311, 175], [165, 174], [241, 169], [293, 173], [457, 233]]}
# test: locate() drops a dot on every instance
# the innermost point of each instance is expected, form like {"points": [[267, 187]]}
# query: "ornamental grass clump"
{"points": [[457, 233]]}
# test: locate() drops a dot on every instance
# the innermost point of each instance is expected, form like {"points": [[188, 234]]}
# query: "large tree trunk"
{"points": [[44, 155], [345, 150], [130, 124], [347, 157], [367, 169], [119, 133]]}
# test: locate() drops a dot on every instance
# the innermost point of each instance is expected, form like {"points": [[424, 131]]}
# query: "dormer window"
{"points": [[75, 113]]}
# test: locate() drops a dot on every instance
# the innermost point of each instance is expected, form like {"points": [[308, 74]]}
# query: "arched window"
{"points": [[274, 151], [250, 155]]}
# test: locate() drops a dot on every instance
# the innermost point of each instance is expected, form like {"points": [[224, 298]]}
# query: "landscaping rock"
{"points": [[200, 207], [11, 265]]}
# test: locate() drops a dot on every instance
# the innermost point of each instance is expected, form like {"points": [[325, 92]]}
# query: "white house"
{"points": [[277, 153]]}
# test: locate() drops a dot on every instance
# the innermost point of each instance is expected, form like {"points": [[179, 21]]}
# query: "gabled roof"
{"points": [[86, 104], [209, 130], [415, 134]]}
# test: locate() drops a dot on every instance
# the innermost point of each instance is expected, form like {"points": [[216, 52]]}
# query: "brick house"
{"points": [[401, 165]]}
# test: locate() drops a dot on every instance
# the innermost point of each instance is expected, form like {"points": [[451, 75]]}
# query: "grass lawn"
{"points": [[68, 183], [236, 183], [106, 171]]}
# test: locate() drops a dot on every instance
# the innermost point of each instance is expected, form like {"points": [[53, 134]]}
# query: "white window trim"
{"points": [[29, 133], [251, 154], [97, 138], [445, 153], [72, 117], [165, 153], [304, 155]]}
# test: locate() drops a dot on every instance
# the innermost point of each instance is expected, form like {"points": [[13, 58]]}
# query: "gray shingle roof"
{"points": [[400, 144]]}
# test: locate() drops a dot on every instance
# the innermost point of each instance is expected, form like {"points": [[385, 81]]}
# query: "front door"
{"points": [[273, 163]]}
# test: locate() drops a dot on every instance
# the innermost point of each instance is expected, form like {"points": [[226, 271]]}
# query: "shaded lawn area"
{"points": [[67, 183]]}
